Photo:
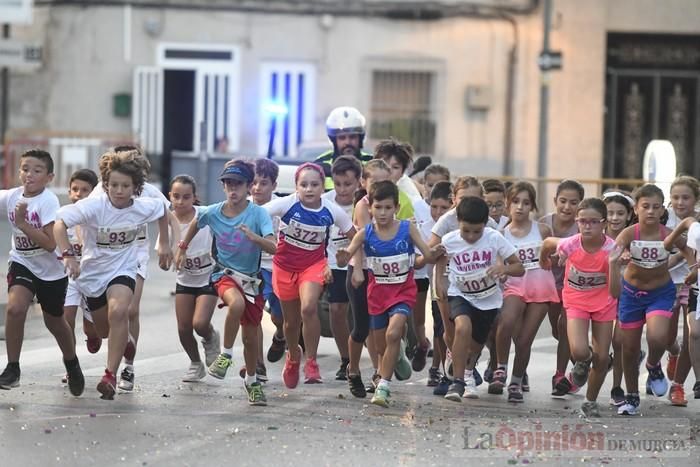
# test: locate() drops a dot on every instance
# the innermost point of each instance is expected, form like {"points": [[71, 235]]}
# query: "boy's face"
{"points": [[78, 190], [120, 189], [236, 190], [496, 201], [471, 233], [395, 168], [430, 181], [346, 184], [462, 193], [438, 207], [34, 175], [262, 189], [383, 211]]}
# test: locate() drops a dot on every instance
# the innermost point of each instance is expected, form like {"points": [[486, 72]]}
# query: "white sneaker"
{"points": [[470, 388], [195, 372], [212, 347], [126, 380]]}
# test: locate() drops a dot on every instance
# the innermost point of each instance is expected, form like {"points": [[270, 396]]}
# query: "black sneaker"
{"points": [[515, 393], [419, 357], [357, 387], [276, 350], [525, 384], [433, 377], [562, 386], [455, 391], [342, 373], [696, 390], [372, 385], [76, 380], [617, 396], [443, 386], [9, 378]]}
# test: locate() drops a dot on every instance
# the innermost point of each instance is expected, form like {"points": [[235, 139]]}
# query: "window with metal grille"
{"points": [[402, 107]]}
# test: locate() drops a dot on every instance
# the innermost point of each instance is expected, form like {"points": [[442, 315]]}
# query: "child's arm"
{"points": [[362, 215], [430, 255], [343, 255], [165, 252], [549, 247], [615, 271], [266, 243], [441, 285], [60, 233], [676, 235], [512, 267], [42, 237], [174, 229], [185, 242]]}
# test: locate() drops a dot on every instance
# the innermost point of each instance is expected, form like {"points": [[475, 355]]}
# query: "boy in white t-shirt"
{"points": [[34, 267], [473, 290]]}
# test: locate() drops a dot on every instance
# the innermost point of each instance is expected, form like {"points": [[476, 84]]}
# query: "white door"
{"points": [[147, 109], [215, 119]]}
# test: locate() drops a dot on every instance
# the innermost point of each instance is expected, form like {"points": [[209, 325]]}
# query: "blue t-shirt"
{"points": [[233, 249]]}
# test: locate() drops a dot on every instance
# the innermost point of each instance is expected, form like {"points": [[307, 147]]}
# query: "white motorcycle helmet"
{"points": [[345, 120]]}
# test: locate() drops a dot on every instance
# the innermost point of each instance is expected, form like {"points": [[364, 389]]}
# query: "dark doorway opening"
{"points": [[178, 115]]}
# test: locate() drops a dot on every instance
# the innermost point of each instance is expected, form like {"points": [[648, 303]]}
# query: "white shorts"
{"points": [[73, 296], [142, 269]]}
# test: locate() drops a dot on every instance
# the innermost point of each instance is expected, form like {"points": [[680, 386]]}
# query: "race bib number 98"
{"points": [[390, 269]]}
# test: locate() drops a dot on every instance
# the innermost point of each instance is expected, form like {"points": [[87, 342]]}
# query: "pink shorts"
{"points": [[286, 284], [682, 295], [604, 315]]}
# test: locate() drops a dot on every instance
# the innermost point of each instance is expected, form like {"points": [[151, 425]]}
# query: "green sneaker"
{"points": [[381, 396], [255, 394], [402, 370], [220, 365]]}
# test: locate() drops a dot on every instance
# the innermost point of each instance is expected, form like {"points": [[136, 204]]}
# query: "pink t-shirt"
{"points": [[586, 275]]}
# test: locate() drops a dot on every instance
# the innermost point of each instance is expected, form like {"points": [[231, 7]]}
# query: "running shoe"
{"points": [[9, 378], [696, 390], [402, 370], [671, 366], [677, 395], [107, 385], [579, 374], [312, 374], [76, 380], [93, 344], [212, 347], [126, 380], [357, 387], [195, 372], [631, 405], [657, 381], [488, 374], [433, 377], [342, 373], [470, 388], [574, 387], [515, 393], [443, 386], [261, 373], [561, 386], [590, 410], [372, 385], [276, 350], [290, 372], [455, 391], [419, 357], [477, 376], [525, 384], [617, 396], [499, 381], [220, 366], [256, 396], [381, 396]]}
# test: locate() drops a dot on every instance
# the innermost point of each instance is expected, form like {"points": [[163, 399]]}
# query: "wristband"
{"points": [[182, 245], [68, 252]]}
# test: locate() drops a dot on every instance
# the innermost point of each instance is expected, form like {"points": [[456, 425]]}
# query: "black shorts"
{"points": [[482, 320], [693, 299], [423, 285], [95, 303], [337, 292], [196, 291], [50, 294]]}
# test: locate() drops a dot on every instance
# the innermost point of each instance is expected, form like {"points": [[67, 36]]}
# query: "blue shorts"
{"points": [[635, 304], [269, 295], [382, 321]]}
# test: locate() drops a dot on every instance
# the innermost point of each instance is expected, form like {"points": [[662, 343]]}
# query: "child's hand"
{"points": [[616, 255], [179, 259], [327, 275], [497, 271], [546, 262], [165, 257], [438, 251], [441, 288], [20, 213], [562, 259], [342, 257], [248, 233], [357, 278], [692, 277], [71, 266]]}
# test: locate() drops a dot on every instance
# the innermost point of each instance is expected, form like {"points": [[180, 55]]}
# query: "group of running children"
{"points": [[384, 247]]}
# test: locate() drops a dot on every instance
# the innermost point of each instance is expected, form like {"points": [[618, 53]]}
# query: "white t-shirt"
{"points": [[407, 185], [448, 223], [109, 238], [265, 257], [41, 211], [467, 267], [694, 243], [198, 263], [337, 239], [424, 223], [680, 271]]}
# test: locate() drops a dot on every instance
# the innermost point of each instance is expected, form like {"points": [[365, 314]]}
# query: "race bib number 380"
{"points": [[24, 246], [304, 236], [116, 238]]}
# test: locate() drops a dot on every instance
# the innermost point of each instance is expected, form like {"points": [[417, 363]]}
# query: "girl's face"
{"points": [[182, 197], [466, 192], [496, 202], [78, 190], [374, 177], [649, 210], [383, 211], [309, 187], [120, 189], [590, 223], [618, 216], [566, 203], [520, 206], [429, 182], [683, 201]]}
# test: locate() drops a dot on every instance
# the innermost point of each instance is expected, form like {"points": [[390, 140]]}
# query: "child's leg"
{"points": [[250, 348], [532, 320], [577, 333], [309, 294], [657, 337], [339, 327], [553, 315], [694, 342], [631, 344], [683, 366], [203, 311], [360, 330], [261, 360], [511, 317], [184, 312], [391, 339], [63, 334], [449, 325], [461, 345], [118, 298], [235, 301], [69, 313], [617, 355], [134, 314], [291, 310], [419, 319], [18, 300], [563, 351], [601, 335]]}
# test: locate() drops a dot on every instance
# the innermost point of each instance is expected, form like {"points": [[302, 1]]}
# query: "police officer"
{"points": [[346, 128]]}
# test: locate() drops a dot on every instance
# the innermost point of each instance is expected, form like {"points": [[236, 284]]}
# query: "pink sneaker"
{"points": [[574, 389], [290, 373], [312, 374], [107, 385], [93, 344]]}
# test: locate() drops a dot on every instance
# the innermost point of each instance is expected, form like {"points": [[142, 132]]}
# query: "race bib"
{"points": [[142, 234], [648, 254], [24, 246], [390, 269], [75, 244], [477, 285], [199, 263], [586, 280], [529, 255], [304, 236], [248, 284], [116, 238]]}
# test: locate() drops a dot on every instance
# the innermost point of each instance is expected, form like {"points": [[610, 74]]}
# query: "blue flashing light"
{"points": [[277, 109]]}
